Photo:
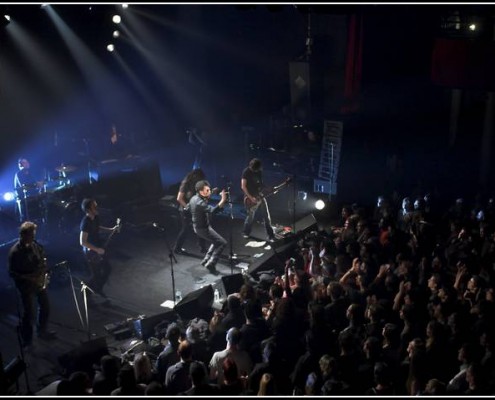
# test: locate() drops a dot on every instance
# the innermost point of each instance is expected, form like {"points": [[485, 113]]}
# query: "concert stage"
{"points": [[140, 292]]}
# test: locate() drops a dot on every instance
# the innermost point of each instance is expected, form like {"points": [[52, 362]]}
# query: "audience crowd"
{"points": [[396, 300]]}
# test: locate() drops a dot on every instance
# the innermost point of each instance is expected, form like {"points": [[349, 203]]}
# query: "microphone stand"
{"points": [[84, 288], [85, 325], [86, 145], [232, 256], [294, 199], [331, 171], [171, 258], [19, 339], [26, 217]]}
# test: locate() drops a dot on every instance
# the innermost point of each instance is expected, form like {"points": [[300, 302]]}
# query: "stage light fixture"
{"points": [[472, 27], [116, 19], [110, 47], [116, 34], [125, 5], [8, 196], [319, 204], [7, 17]]}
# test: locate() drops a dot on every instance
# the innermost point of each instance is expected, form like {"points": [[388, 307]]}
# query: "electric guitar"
{"points": [[265, 193], [92, 256]]}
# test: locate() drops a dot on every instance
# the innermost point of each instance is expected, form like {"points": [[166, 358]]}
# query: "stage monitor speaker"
{"points": [[306, 224], [84, 356], [274, 259], [145, 327], [230, 284], [196, 304]]}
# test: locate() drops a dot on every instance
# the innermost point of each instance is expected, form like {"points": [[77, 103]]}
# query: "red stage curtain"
{"points": [[354, 64]]}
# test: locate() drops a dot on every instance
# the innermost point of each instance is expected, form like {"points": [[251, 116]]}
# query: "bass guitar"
{"points": [[92, 256], [265, 193]]}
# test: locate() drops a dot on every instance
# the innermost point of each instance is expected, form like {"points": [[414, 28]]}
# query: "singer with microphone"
{"points": [[186, 191], [201, 213], [252, 186], [28, 269]]}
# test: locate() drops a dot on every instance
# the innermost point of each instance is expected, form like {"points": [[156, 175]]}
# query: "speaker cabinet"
{"points": [[196, 304], [274, 259], [84, 356], [306, 224], [145, 327], [230, 284]]}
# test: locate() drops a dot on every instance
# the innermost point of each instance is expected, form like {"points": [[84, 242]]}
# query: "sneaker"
{"points": [[245, 236], [204, 262], [47, 335]]}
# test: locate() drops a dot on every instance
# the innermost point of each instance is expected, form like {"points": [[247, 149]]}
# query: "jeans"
{"points": [[30, 295], [186, 227], [216, 247], [251, 214]]}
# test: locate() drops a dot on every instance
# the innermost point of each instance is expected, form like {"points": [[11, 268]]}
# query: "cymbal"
{"points": [[65, 168]]}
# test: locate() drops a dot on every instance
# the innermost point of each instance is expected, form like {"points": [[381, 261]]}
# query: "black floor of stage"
{"points": [[139, 285]]}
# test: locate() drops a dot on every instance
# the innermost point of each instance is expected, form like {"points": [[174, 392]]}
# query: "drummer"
{"points": [[25, 186]]}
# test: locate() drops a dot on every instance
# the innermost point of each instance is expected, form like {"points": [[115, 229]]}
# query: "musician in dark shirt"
{"points": [[25, 186], [116, 148], [201, 213], [252, 186], [28, 269], [89, 239], [186, 191]]}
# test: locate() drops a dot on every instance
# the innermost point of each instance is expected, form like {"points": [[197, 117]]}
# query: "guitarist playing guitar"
{"points": [[93, 247], [252, 186]]}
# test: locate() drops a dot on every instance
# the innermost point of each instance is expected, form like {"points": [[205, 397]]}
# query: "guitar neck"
{"points": [[112, 233], [108, 240]]}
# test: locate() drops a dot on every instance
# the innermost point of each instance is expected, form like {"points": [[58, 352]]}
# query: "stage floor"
{"points": [[139, 285]]}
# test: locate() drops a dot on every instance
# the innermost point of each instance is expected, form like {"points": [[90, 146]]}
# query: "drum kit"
{"points": [[51, 201]]}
